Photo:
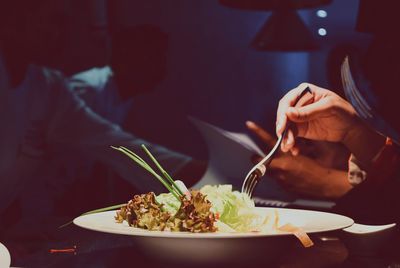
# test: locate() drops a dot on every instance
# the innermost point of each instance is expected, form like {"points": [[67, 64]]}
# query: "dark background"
{"points": [[212, 71]]}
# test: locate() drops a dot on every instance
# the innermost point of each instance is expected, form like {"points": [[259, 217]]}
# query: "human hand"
{"points": [[327, 117], [302, 174]]}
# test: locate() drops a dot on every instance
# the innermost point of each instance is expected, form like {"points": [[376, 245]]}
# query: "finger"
{"points": [[283, 145], [288, 141], [282, 164], [262, 133], [310, 111], [274, 165], [295, 151], [284, 104], [307, 97], [287, 101], [281, 120]]}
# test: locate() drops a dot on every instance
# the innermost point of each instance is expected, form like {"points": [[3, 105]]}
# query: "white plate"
{"points": [[309, 221], [216, 248], [5, 258]]}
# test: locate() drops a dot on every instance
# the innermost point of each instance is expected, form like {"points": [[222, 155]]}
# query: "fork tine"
{"points": [[245, 184], [252, 186], [245, 187], [249, 183]]}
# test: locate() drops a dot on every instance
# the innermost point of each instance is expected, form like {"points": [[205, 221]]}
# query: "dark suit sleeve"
{"points": [[373, 202]]}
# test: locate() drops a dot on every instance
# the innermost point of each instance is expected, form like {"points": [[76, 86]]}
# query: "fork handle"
{"points": [[304, 98]]}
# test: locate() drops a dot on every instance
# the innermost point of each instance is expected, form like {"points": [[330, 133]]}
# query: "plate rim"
{"points": [[137, 232]]}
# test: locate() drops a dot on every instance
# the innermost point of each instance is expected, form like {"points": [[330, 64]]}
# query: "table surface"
{"points": [[94, 249]]}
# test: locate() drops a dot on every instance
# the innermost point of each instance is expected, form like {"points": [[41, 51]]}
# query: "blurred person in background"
{"points": [[44, 123], [137, 66]]}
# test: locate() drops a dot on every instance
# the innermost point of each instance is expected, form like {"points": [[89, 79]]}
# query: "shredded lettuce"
{"points": [[236, 210]]}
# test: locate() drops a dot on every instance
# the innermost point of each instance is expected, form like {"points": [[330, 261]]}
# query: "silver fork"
{"points": [[258, 171]]}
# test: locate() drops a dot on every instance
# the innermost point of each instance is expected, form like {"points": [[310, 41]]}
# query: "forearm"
{"points": [[327, 182], [75, 126], [305, 175]]}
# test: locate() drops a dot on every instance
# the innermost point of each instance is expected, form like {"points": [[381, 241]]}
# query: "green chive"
{"points": [[163, 172], [104, 209], [167, 178], [144, 165], [95, 211]]}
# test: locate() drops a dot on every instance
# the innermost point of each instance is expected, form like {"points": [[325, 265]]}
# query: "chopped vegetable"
{"points": [[193, 215], [144, 212], [299, 233], [235, 209]]}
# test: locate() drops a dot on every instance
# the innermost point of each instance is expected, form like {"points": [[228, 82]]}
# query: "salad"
{"points": [[210, 209]]}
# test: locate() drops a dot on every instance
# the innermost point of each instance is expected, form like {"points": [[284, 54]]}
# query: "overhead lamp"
{"points": [[284, 30]]}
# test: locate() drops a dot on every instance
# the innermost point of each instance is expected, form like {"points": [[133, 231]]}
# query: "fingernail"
{"points": [[250, 123], [289, 139]]}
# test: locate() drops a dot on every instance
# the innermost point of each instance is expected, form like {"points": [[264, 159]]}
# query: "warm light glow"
{"points": [[322, 13], [322, 31]]}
